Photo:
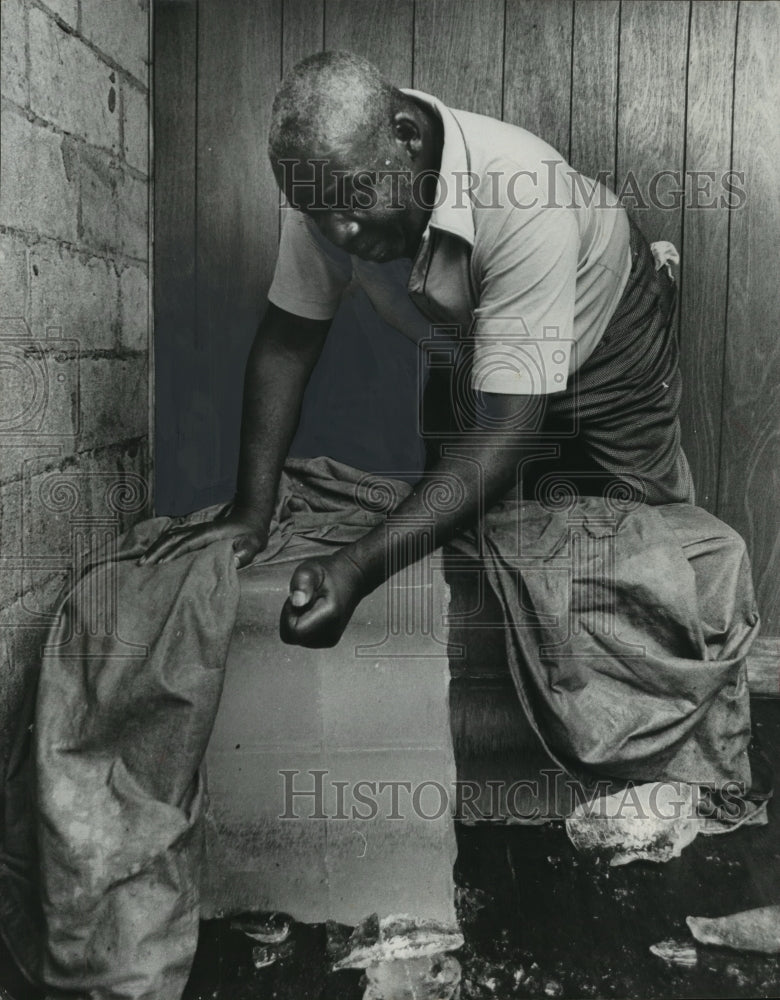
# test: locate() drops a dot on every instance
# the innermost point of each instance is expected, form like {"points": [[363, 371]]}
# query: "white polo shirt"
{"points": [[523, 257]]}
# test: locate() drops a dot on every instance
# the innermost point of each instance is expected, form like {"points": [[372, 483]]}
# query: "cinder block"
{"points": [[98, 177], [121, 30], [11, 519], [13, 276], [40, 596], [47, 516], [78, 294], [135, 115], [28, 458], [133, 216], [66, 10], [56, 504], [11, 536], [114, 205], [36, 606], [40, 395], [70, 86], [114, 400], [29, 591], [134, 309], [14, 83], [38, 182]]}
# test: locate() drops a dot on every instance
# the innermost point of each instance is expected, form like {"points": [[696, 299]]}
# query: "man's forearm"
{"points": [[484, 475], [279, 365]]}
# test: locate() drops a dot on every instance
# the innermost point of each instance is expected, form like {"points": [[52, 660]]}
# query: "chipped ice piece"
{"points": [[469, 901], [363, 940], [263, 956], [748, 930], [396, 938], [681, 953], [267, 928], [650, 822], [434, 977], [736, 973], [337, 938]]}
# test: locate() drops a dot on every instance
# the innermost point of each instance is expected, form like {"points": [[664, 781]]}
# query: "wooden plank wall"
{"points": [[630, 87]]}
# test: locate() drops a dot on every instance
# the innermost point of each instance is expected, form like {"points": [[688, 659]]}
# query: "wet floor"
{"points": [[539, 920]]}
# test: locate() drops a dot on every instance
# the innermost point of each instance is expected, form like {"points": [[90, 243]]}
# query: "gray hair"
{"points": [[332, 105]]}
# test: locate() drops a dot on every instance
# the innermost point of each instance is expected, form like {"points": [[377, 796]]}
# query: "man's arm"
{"points": [[527, 290], [282, 357], [325, 592]]}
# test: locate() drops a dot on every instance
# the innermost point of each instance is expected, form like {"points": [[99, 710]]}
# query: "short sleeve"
{"points": [[311, 273], [524, 324]]}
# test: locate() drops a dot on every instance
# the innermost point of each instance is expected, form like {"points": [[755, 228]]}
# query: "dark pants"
{"points": [[615, 429], [617, 423]]}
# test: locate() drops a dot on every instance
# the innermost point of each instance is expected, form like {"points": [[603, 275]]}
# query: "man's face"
{"points": [[375, 213]]}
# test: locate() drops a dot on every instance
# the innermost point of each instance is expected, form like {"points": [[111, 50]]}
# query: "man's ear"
{"points": [[407, 133]]}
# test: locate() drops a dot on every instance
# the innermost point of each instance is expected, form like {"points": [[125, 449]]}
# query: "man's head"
{"points": [[356, 154]]}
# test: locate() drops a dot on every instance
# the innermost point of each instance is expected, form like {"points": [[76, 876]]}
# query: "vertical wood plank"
{"points": [[379, 31], [594, 87], [458, 53], [175, 47], [303, 34], [537, 69], [240, 53], [651, 113], [750, 450], [303, 30], [706, 233]]}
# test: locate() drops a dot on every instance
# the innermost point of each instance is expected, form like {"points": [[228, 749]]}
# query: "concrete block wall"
{"points": [[74, 301]]}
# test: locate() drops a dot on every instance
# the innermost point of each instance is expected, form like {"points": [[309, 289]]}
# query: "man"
{"points": [[558, 319], [627, 623]]}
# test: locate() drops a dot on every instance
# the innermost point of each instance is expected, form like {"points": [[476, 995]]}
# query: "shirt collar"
{"points": [[452, 211]]}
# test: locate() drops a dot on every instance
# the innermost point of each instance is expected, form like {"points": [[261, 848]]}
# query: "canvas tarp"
{"points": [[627, 629]]}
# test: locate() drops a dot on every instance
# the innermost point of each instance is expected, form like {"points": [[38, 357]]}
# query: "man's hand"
{"points": [[323, 596], [248, 540]]}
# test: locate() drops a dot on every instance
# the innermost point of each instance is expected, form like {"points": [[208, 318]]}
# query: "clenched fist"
{"points": [[324, 593]]}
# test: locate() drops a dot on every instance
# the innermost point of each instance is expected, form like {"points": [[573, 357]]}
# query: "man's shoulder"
{"points": [[497, 145], [512, 173], [519, 178]]}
